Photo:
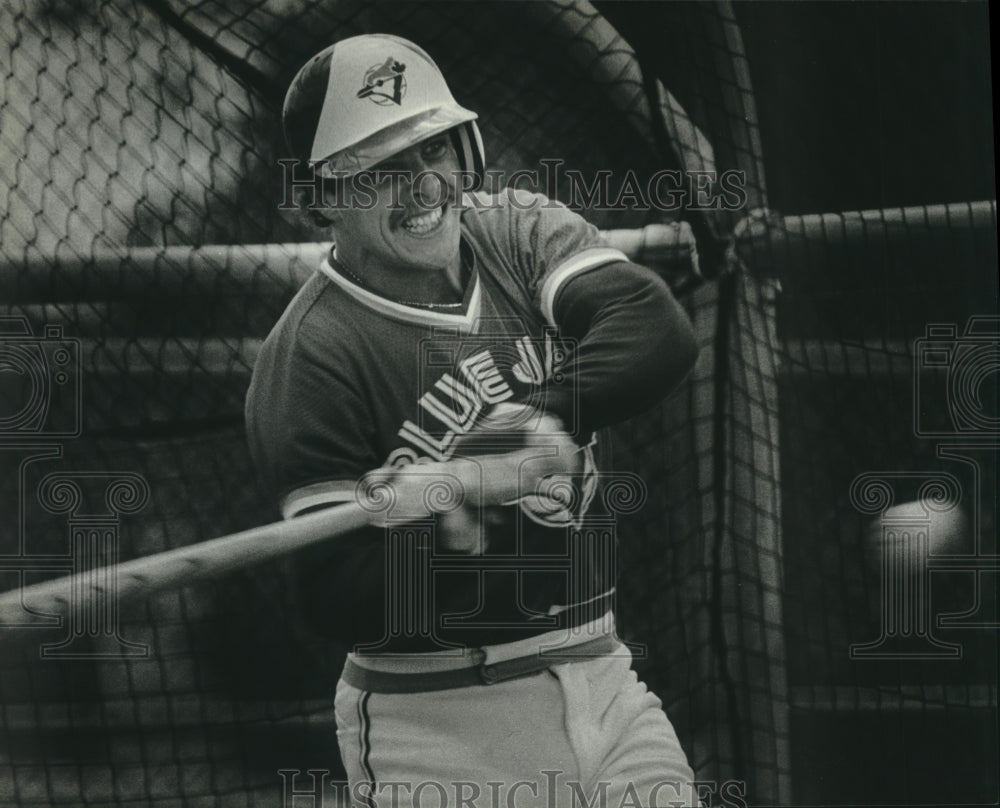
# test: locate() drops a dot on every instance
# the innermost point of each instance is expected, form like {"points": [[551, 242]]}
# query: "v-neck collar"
{"points": [[463, 317]]}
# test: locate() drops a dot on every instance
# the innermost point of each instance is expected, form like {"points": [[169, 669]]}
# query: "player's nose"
{"points": [[423, 184], [430, 187]]}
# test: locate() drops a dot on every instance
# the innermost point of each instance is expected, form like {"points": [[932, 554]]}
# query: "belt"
{"points": [[376, 681]]}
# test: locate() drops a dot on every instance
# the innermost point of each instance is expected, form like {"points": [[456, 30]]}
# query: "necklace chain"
{"points": [[340, 267]]}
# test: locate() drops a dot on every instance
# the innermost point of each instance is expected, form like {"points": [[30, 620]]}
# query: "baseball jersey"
{"points": [[349, 381]]}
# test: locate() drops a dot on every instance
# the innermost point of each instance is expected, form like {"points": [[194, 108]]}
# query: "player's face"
{"points": [[414, 221]]}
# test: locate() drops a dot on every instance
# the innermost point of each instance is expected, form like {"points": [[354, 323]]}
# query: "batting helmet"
{"points": [[368, 97]]}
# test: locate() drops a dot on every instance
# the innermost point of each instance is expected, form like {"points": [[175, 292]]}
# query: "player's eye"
{"points": [[435, 148]]}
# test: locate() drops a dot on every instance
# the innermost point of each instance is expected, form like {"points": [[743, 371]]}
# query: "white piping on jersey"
{"points": [[308, 496], [581, 262], [410, 314]]}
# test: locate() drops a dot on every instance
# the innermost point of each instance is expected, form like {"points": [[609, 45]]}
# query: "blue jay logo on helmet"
{"points": [[378, 75], [328, 124]]}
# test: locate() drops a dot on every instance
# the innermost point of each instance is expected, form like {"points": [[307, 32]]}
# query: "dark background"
{"points": [[861, 105]]}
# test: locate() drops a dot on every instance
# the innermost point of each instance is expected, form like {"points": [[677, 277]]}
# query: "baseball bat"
{"points": [[172, 568], [142, 577]]}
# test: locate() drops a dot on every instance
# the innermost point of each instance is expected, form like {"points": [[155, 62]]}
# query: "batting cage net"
{"points": [[812, 574]]}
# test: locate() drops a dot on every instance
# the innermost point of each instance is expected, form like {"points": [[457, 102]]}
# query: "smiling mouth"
{"points": [[424, 223]]}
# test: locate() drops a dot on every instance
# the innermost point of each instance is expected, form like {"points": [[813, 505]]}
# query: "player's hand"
{"points": [[512, 453], [519, 451]]}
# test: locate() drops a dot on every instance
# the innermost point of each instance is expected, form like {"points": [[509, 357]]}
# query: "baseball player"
{"points": [[449, 364]]}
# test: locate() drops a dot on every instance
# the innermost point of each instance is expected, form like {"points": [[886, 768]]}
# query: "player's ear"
{"points": [[317, 211], [327, 217], [333, 201], [322, 220]]}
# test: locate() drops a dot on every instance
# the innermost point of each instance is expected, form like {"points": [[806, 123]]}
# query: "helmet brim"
{"points": [[371, 151]]}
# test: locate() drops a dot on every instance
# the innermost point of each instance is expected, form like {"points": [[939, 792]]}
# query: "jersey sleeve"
{"points": [[310, 434], [553, 244], [633, 342]]}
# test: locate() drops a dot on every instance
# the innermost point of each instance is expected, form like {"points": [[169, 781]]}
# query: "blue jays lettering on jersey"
{"points": [[349, 381]]}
